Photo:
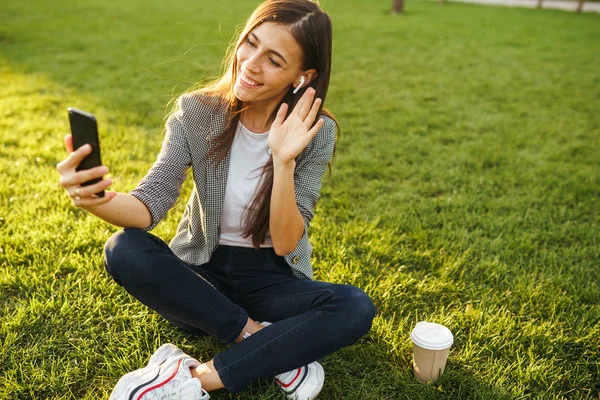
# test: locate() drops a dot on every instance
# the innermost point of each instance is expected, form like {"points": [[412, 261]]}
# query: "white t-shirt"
{"points": [[248, 157]]}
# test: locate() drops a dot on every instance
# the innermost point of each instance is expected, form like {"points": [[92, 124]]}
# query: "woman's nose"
{"points": [[252, 64]]}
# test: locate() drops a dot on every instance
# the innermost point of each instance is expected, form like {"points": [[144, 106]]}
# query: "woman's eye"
{"points": [[275, 63]]}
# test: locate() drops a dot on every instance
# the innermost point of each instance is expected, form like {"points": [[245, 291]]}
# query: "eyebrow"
{"points": [[270, 50]]}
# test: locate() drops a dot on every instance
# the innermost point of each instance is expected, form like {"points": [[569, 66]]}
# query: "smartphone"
{"points": [[84, 129]]}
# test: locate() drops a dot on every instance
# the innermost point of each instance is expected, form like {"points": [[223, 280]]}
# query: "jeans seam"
{"points": [[223, 374]]}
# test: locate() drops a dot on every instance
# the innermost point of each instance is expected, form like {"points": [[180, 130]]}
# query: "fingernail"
{"points": [[87, 146]]}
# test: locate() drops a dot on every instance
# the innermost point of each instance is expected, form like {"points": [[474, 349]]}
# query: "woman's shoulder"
{"points": [[324, 140], [201, 107], [328, 131]]}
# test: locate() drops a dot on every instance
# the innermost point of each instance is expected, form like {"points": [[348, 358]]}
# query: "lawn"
{"points": [[466, 191]]}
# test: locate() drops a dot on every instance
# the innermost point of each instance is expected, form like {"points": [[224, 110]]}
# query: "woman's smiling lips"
{"points": [[247, 82]]}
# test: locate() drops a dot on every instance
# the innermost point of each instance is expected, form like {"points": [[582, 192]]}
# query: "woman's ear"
{"points": [[309, 76]]}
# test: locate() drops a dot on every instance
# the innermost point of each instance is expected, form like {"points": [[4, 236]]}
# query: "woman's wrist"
{"points": [[280, 164]]}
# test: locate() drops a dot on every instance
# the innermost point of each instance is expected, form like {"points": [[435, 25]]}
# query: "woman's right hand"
{"points": [[71, 180]]}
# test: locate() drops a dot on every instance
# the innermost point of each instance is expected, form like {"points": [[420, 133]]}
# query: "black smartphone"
{"points": [[84, 129]]}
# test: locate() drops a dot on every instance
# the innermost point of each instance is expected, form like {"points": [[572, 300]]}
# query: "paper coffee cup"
{"points": [[431, 344]]}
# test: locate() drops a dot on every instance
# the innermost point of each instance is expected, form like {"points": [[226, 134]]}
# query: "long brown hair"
{"points": [[311, 27]]}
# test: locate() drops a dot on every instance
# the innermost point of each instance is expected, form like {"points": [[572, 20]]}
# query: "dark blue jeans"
{"points": [[310, 319]]}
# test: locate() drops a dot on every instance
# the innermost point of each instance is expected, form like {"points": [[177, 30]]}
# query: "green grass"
{"points": [[466, 191]]}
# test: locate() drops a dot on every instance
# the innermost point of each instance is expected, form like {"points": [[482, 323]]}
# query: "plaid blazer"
{"points": [[186, 144]]}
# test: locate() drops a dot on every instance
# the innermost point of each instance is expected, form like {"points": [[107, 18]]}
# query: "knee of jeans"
{"points": [[359, 310], [118, 247]]}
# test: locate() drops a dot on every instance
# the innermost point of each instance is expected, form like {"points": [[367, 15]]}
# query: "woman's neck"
{"points": [[256, 123], [258, 116]]}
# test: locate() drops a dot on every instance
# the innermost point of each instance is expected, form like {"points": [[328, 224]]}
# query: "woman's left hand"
{"points": [[288, 137]]}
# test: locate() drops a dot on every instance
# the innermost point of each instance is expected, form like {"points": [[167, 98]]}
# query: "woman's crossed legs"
{"points": [[235, 288]]}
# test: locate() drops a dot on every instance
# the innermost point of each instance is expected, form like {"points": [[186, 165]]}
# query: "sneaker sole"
{"points": [[131, 380]]}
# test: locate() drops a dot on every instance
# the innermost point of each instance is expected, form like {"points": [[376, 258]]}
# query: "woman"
{"points": [[258, 141]]}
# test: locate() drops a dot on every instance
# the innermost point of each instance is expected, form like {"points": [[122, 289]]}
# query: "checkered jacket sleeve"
{"points": [[310, 169], [161, 186]]}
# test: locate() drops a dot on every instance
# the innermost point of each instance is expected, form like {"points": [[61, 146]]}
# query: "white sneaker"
{"points": [[167, 376], [304, 383]]}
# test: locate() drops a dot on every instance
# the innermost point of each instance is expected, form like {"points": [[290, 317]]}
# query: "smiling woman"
{"points": [[258, 58], [258, 141]]}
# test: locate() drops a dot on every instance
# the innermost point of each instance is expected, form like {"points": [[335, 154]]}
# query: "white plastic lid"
{"points": [[431, 336]]}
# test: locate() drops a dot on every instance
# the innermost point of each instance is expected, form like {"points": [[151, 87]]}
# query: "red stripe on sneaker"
{"points": [[161, 384], [298, 372]]}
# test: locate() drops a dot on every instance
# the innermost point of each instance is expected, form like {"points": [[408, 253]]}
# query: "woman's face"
{"points": [[269, 61]]}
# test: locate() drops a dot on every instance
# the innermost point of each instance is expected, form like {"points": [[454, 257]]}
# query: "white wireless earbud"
{"points": [[300, 84]]}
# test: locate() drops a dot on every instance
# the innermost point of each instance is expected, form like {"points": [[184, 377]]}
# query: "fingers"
{"points": [[69, 143], [315, 129], [77, 178], [312, 114], [89, 191], [71, 179], [281, 115], [83, 196], [304, 105], [74, 158], [94, 200]]}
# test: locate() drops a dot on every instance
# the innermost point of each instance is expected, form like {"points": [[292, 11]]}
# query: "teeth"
{"points": [[249, 81]]}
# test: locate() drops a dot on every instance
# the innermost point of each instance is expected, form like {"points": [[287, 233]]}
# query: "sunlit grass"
{"points": [[466, 191]]}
